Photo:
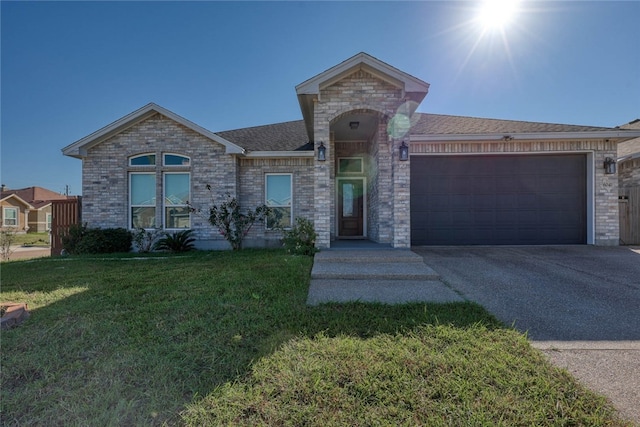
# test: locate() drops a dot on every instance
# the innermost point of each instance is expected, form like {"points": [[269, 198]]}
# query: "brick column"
{"points": [[401, 199], [322, 183]]}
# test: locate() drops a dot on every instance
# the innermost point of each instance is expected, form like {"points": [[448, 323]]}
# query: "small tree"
{"points": [[232, 224], [7, 237]]}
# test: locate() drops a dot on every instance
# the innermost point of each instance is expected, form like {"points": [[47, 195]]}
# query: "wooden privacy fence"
{"points": [[64, 214], [629, 208]]}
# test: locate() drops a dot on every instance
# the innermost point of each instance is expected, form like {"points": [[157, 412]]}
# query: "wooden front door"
{"points": [[351, 207]]}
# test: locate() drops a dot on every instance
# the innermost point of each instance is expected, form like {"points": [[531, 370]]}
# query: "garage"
{"points": [[499, 199]]}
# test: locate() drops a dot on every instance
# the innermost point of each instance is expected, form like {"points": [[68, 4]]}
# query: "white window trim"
{"points": [[4, 216], [164, 206], [290, 175], [131, 205], [48, 221]]}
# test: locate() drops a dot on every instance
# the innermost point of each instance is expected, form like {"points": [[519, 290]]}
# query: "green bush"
{"points": [[180, 241], [83, 240], [145, 240], [301, 238], [72, 238]]}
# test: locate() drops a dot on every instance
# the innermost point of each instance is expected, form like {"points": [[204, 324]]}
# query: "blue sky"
{"points": [[70, 68]]}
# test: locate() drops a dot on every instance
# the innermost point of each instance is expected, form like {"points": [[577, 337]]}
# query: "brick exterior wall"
{"points": [[105, 172], [357, 93], [252, 192], [605, 187]]}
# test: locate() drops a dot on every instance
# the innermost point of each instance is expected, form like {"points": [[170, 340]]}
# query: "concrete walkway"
{"points": [[375, 274], [29, 252]]}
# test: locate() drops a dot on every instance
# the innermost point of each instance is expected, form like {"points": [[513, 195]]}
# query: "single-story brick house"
{"points": [[361, 164]]}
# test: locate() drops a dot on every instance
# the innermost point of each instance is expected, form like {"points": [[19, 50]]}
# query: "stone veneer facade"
{"points": [[388, 208]]}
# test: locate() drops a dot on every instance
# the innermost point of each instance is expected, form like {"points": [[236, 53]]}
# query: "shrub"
{"points": [[180, 241], [232, 224], [7, 237], [145, 240], [72, 237], [104, 240], [301, 238], [83, 240]]}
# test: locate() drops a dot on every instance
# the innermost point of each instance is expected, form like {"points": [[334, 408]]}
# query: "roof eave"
{"points": [[278, 154], [79, 148], [508, 136]]}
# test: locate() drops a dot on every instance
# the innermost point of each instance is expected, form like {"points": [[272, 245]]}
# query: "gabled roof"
{"points": [[445, 127], [412, 87], [79, 148], [8, 195], [36, 197]]}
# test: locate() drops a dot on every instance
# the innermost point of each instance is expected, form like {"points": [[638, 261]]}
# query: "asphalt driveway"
{"points": [[580, 305], [559, 293]]}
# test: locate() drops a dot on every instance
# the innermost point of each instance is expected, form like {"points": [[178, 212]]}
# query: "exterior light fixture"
{"points": [[322, 152], [354, 125], [404, 151], [609, 166]]}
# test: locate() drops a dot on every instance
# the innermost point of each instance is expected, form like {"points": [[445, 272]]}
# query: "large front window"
{"points": [[176, 197], [278, 198], [171, 210], [143, 200], [10, 217]]}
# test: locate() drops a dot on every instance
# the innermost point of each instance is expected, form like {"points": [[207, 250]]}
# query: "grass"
{"points": [[225, 338], [31, 239]]}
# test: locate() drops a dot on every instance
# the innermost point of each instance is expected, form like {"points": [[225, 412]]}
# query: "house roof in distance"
{"points": [[37, 197]]}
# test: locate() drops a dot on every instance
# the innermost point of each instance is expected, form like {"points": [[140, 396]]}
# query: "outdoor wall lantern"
{"points": [[322, 152], [404, 151], [609, 166]]}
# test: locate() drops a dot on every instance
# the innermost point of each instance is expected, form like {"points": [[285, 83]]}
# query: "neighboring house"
{"points": [[38, 211], [629, 183], [629, 158], [15, 212], [361, 164]]}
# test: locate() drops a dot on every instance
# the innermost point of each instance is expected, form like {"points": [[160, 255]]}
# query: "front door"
{"points": [[351, 207]]}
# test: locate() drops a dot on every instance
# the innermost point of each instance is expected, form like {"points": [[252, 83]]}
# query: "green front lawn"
{"points": [[31, 239], [215, 338]]}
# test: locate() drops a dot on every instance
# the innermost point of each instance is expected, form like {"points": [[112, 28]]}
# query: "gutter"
{"points": [[507, 136]]}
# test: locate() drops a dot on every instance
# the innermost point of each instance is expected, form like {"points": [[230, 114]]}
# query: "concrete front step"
{"points": [[369, 256], [381, 291], [372, 271]]}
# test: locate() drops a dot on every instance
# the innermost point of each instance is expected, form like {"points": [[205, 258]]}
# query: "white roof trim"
{"points": [[79, 148], [20, 199], [313, 85], [281, 154], [623, 135]]}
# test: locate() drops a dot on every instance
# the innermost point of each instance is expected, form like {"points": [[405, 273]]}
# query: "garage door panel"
{"points": [[510, 199]]}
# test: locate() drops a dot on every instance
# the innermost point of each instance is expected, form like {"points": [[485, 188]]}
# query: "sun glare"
{"points": [[497, 14]]}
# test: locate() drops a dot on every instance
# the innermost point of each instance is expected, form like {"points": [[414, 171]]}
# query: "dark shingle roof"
{"points": [[292, 136], [438, 124], [287, 136]]}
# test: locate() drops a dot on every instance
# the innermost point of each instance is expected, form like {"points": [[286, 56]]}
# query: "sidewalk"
{"points": [[29, 252]]}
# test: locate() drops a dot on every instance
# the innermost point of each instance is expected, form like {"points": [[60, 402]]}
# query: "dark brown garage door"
{"points": [[498, 200]]}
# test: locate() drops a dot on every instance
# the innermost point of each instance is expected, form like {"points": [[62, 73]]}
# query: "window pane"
{"points": [[10, 217], [177, 217], [281, 217], [176, 191], [347, 200], [175, 160], [145, 160], [143, 217], [143, 189], [278, 190]]}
